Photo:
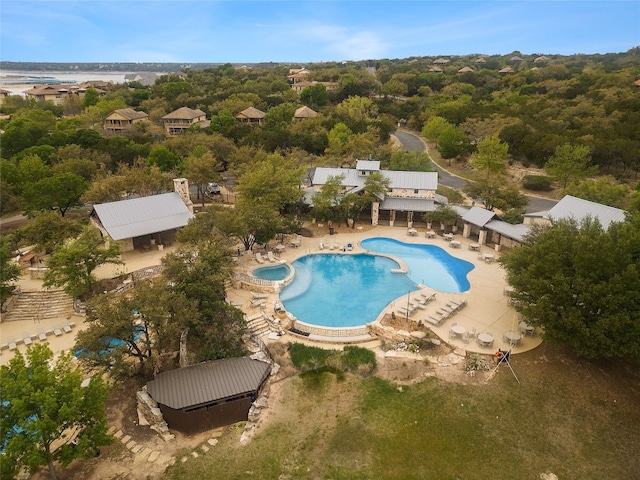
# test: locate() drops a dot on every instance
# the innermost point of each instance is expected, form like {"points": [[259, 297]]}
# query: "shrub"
{"points": [[354, 359], [540, 183]]}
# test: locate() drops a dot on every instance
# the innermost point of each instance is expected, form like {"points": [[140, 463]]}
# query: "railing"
{"points": [[246, 278]]}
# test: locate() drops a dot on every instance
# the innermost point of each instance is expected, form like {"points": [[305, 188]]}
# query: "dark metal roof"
{"points": [[208, 382]]}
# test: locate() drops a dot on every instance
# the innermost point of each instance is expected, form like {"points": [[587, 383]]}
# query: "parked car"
{"points": [[212, 189]]}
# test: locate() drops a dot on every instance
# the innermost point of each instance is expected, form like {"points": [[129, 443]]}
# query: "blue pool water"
{"points": [[430, 265], [273, 272], [336, 290]]}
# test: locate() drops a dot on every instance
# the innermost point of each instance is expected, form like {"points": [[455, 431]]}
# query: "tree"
{"points": [[274, 182], [91, 97], [491, 155], [48, 229], [452, 143], [59, 192], [605, 190], [199, 272], [570, 162], [410, 161], [581, 284], [492, 195], [163, 158], [10, 270], [315, 96], [202, 168], [141, 326], [326, 201], [41, 402], [72, 264], [434, 127], [443, 214]]}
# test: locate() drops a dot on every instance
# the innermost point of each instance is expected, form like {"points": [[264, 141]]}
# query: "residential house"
{"points": [[3, 94], [441, 61], [251, 115], [145, 221], [299, 86], [409, 193], [144, 78], [466, 70], [297, 74], [180, 120], [122, 120], [305, 112], [57, 94]]}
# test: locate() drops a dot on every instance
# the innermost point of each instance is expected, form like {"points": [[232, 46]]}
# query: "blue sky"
{"points": [[239, 31]]}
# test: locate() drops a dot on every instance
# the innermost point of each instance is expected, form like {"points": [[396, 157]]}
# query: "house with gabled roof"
{"points": [[145, 221], [409, 193], [251, 116], [441, 61], [180, 120], [123, 120]]}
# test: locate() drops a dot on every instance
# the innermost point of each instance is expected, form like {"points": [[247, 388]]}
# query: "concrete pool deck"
{"points": [[487, 310]]}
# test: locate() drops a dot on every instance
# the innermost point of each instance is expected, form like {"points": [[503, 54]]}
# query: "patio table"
{"points": [[454, 244], [513, 338], [488, 257], [412, 232], [448, 236], [280, 247], [485, 340], [474, 247], [430, 234], [458, 330]]}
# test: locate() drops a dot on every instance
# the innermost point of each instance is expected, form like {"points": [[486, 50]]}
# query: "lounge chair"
{"points": [[257, 303], [12, 343], [256, 295], [26, 338], [56, 331], [437, 321], [321, 246], [42, 335], [331, 246], [67, 328], [428, 296], [349, 246], [271, 258], [259, 258]]}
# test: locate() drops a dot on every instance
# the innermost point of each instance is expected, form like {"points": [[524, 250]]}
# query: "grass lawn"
{"points": [[576, 419]]}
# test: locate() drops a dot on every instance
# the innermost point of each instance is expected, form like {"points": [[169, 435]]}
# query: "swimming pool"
{"points": [[428, 264], [336, 290], [272, 272]]}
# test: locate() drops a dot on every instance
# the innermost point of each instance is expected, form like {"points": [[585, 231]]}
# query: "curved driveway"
{"points": [[413, 143]]}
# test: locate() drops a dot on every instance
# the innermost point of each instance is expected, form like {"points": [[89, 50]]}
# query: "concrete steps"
{"points": [[258, 325], [39, 305]]}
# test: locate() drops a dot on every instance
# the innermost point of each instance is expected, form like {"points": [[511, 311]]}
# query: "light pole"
{"points": [[408, 297]]}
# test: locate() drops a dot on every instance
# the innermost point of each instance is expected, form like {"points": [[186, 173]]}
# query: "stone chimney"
{"points": [[181, 186]]}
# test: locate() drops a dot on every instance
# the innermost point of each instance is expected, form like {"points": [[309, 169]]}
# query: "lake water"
{"points": [[17, 81]]}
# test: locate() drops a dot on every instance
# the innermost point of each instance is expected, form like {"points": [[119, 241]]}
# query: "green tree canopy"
{"points": [[48, 229], [10, 269], [60, 192], [581, 284], [72, 264], [570, 162], [41, 401], [605, 190], [491, 155]]}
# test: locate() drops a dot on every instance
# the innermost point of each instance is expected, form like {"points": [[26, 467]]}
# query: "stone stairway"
{"points": [[39, 305], [258, 325]]}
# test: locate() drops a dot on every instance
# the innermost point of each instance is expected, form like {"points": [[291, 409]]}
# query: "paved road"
{"points": [[413, 143]]}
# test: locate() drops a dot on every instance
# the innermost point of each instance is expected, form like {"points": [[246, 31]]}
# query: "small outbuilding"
{"points": [[208, 395]]}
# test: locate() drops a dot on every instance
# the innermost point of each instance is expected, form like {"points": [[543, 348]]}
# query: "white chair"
{"points": [[271, 258], [259, 258]]}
